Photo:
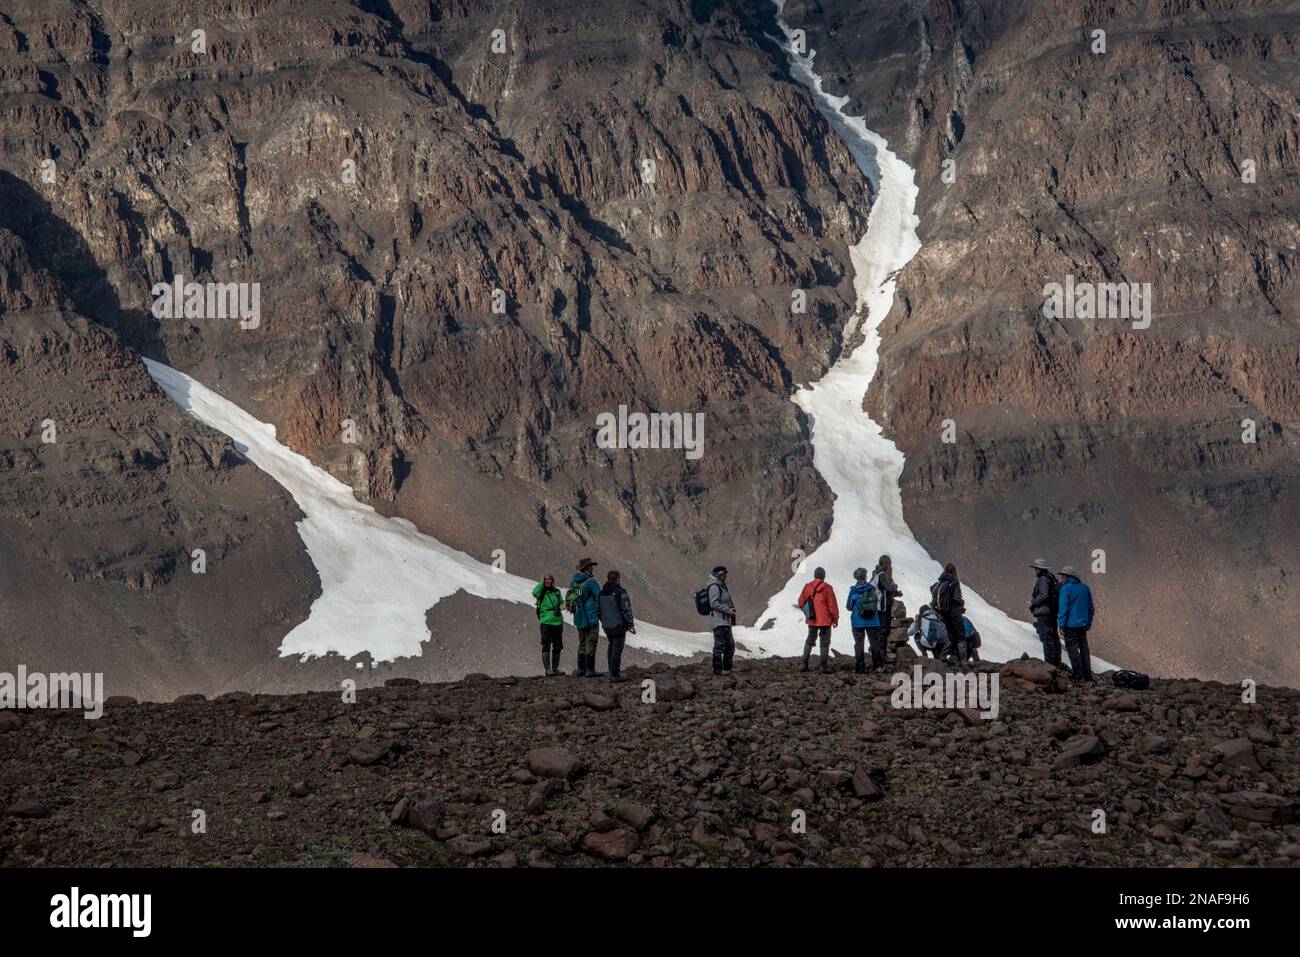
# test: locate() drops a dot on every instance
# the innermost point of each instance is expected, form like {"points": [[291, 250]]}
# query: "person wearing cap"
{"points": [[722, 616], [822, 613], [584, 591], [866, 622], [1075, 618], [1043, 605]]}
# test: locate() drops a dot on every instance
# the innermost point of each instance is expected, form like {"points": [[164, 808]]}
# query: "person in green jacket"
{"points": [[550, 616]]}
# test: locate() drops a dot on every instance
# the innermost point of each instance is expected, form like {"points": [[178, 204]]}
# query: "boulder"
{"points": [[1239, 753], [613, 845], [553, 763]]}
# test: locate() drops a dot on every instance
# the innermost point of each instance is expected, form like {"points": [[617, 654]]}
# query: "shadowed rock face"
{"points": [[380, 173], [1081, 434], [106, 489]]}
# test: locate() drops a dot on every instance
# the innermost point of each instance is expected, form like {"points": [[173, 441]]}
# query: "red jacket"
{"points": [[826, 610]]}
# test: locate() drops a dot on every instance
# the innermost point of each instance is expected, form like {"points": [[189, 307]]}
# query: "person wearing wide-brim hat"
{"points": [[584, 601], [1043, 606], [1074, 617]]}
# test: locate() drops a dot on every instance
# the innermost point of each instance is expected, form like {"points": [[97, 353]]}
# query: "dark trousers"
{"points": [[878, 638], [1076, 645], [814, 633], [956, 632], [552, 637], [859, 636], [1045, 625], [616, 638], [724, 647]]}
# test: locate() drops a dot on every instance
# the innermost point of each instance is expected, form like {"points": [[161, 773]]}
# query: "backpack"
{"points": [[573, 596], [937, 589], [808, 608], [1135, 680], [868, 602], [702, 603]]}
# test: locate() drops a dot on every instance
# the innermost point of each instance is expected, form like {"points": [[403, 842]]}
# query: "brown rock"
{"points": [[553, 763], [28, 808], [613, 845]]}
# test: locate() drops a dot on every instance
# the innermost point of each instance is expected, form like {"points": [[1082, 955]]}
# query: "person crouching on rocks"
{"points": [[929, 632], [550, 616], [822, 613], [973, 642], [616, 618], [583, 600]]}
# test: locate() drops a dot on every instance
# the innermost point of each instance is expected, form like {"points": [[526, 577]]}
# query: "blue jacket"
{"points": [[1076, 606], [856, 620], [586, 614]]}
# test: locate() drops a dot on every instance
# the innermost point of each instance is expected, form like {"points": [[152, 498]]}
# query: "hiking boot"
{"points": [[723, 673], [546, 663], [582, 666], [825, 668], [618, 679]]}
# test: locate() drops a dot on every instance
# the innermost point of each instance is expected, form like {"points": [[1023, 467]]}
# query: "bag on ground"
{"points": [[1134, 680]]}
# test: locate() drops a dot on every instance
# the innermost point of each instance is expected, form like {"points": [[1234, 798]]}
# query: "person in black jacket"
{"points": [[948, 604], [882, 578], [1043, 605], [616, 618]]}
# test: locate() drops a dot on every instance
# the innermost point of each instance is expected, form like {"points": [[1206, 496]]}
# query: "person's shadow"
{"points": [[57, 247]]}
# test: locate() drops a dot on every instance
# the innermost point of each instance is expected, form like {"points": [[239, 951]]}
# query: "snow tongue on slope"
{"points": [[861, 466], [379, 576]]}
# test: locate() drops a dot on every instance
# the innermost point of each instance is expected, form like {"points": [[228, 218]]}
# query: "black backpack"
{"points": [[702, 603], [1134, 680]]}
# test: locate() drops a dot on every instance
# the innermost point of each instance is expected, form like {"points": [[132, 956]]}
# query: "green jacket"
{"points": [[550, 605]]}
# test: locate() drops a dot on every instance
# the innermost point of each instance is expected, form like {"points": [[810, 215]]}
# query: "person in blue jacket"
{"points": [[1074, 618], [586, 617], [864, 624]]}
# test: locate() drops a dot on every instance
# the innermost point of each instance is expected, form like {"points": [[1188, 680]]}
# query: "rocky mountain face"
{"points": [[471, 254], [709, 774], [471, 228], [107, 490], [1159, 459]]}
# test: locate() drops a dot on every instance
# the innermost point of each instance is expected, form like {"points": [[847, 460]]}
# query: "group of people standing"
{"points": [[1060, 605], [874, 607], [593, 606]]}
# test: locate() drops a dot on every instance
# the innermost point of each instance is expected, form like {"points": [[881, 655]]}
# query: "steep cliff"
{"points": [[1169, 159]]}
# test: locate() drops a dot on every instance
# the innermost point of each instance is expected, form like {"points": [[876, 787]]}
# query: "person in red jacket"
{"points": [[821, 609]]}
